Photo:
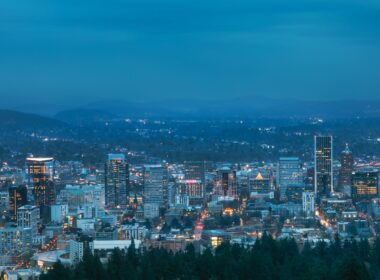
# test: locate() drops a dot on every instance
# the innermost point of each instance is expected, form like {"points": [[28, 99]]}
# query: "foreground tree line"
{"points": [[267, 259]]}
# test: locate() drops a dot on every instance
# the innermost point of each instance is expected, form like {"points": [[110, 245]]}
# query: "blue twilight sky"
{"points": [[79, 51]]}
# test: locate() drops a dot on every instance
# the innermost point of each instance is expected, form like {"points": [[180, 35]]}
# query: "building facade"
{"points": [[41, 178], [323, 165], [289, 172], [116, 181]]}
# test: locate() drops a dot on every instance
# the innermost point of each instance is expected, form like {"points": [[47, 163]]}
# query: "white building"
{"points": [[78, 246], [58, 212], [27, 217], [112, 244], [135, 232]]}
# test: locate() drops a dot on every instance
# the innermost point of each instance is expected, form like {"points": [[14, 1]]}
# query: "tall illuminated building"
{"points": [[323, 165], [364, 185], [155, 184], [155, 189], [40, 174], [289, 172], [18, 196], [193, 185], [195, 170], [116, 181], [347, 164], [226, 184]]}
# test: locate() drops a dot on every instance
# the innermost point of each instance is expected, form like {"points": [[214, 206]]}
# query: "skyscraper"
{"points": [[364, 185], [289, 172], [195, 170], [40, 174], [155, 184], [308, 203], [226, 184], [27, 217], [323, 173], [18, 196], [347, 163], [116, 181], [155, 189]]}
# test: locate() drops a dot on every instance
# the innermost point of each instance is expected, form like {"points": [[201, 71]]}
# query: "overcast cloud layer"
{"points": [[81, 51]]}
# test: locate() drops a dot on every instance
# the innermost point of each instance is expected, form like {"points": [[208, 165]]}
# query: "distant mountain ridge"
{"points": [[17, 120], [241, 107]]}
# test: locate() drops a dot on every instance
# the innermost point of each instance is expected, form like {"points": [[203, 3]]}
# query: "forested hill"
{"points": [[13, 120], [267, 259]]}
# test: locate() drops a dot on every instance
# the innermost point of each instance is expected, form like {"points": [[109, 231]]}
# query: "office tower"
{"points": [[27, 217], [155, 189], [40, 174], [18, 196], [15, 241], [151, 210], [155, 184], [347, 163], [226, 184], [259, 184], [294, 192], [116, 181], [289, 172], [193, 188], [195, 170], [4, 202], [58, 213], [364, 185], [323, 165], [308, 201]]}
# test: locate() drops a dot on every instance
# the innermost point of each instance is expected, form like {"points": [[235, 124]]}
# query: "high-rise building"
{"points": [[193, 188], [259, 184], [27, 217], [226, 184], [116, 181], [308, 201], [18, 196], [195, 170], [155, 184], [289, 172], [323, 165], [347, 164], [15, 241], [41, 174], [364, 185]]}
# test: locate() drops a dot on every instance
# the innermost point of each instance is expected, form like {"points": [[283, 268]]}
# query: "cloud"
{"points": [[58, 50]]}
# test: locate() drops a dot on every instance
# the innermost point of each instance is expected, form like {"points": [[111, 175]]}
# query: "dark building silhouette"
{"points": [[116, 181], [195, 170], [323, 174], [347, 164], [40, 174], [18, 196]]}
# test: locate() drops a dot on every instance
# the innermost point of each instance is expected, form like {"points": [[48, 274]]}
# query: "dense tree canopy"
{"points": [[267, 259]]}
